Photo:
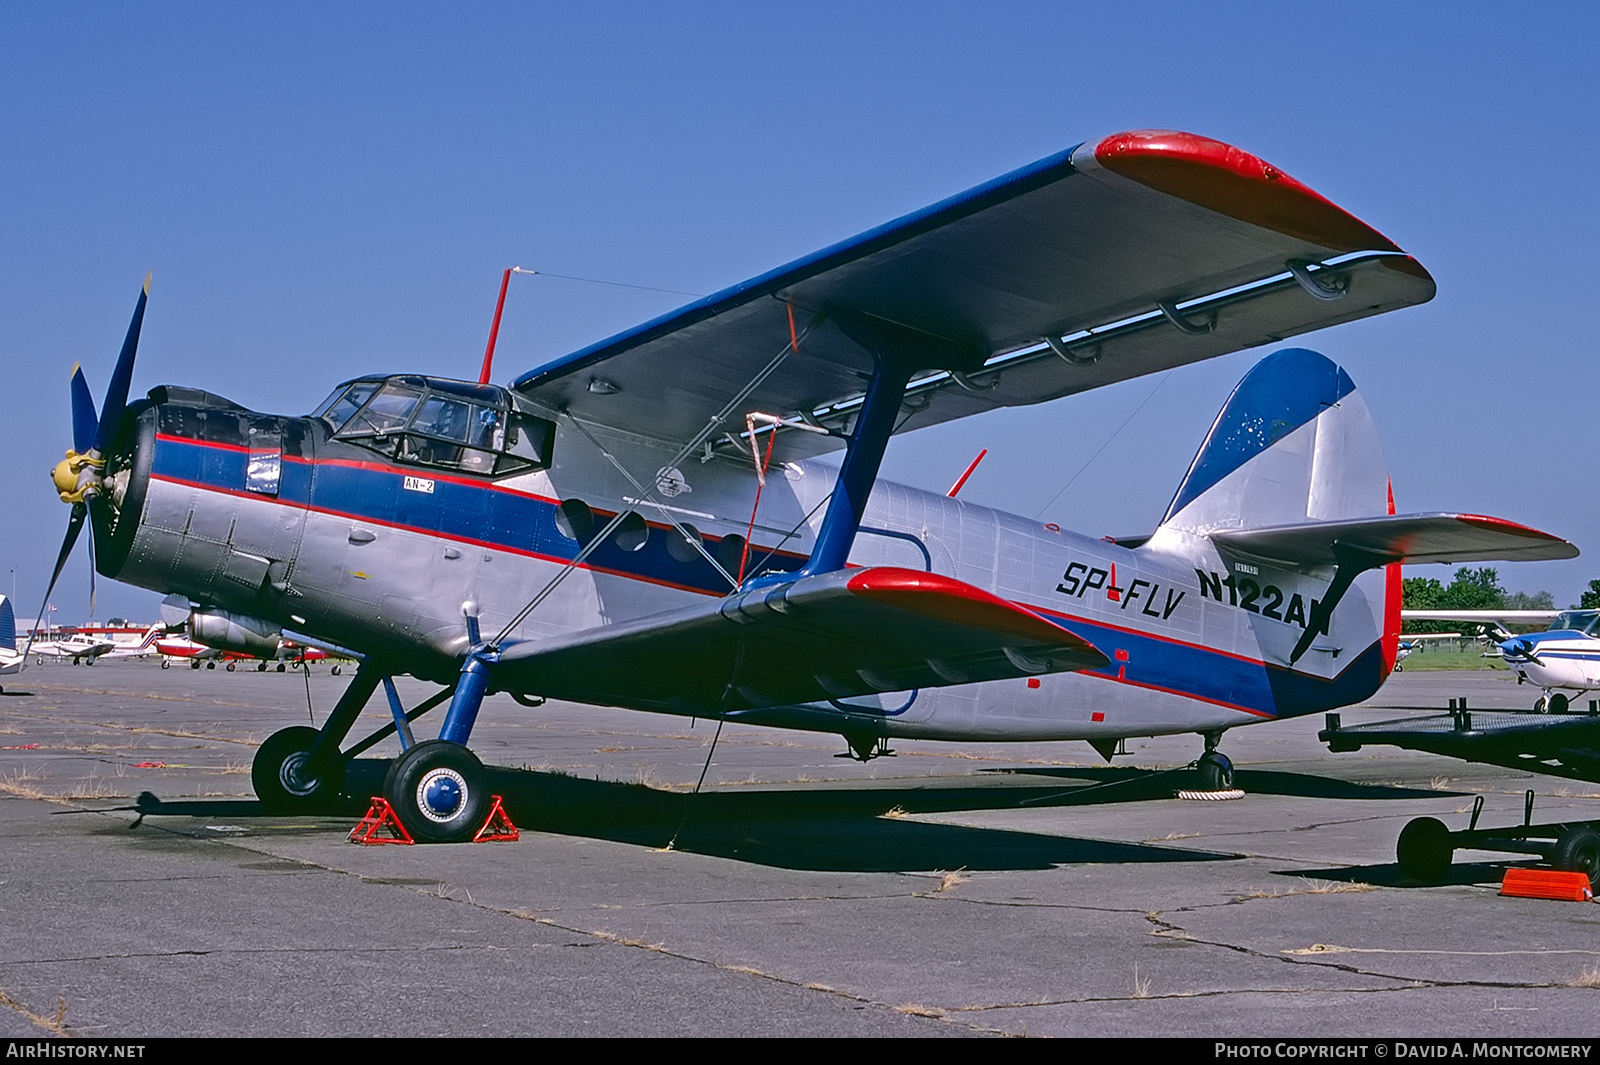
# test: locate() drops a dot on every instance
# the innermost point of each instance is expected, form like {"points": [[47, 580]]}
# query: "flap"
{"points": [[842, 634]]}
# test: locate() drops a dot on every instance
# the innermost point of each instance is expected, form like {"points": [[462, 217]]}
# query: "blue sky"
{"points": [[329, 190]]}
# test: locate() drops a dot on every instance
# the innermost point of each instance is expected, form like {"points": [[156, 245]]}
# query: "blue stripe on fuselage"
{"points": [[455, 509]]}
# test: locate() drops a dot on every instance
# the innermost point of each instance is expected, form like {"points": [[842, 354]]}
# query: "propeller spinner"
{"points": [[80, 478]]}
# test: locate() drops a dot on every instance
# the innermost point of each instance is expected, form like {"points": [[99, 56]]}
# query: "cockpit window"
{"points": [[442, 424], [337, 408]]}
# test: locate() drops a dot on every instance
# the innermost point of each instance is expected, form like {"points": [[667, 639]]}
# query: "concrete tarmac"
{"points": [[1018, 889]]}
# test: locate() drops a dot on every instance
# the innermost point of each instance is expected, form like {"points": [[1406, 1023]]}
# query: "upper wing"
{"points": [[833, 636], [1044, 282], [1400, 538]]}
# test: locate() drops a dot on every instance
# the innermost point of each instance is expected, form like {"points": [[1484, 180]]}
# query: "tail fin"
{"points": [[1294, 443], [8, 624]]}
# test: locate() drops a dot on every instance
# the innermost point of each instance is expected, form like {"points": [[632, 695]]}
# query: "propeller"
{"points": [[79, 478], [1522, 649]]}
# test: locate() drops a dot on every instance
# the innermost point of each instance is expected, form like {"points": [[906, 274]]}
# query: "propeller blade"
{"points": [[85, 422], [74, 527], [116, 400]]}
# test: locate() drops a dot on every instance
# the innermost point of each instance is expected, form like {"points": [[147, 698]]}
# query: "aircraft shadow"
{"points": [[819, 829], [1140, 784]]}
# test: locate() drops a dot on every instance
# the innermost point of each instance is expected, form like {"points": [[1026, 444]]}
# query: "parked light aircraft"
{"points": [[1563, 661], [76, 647], [639, 523]]}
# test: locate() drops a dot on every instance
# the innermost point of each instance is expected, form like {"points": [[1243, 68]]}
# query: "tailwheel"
{"points": [[279, 773], [439, 792], [1216, 771]]}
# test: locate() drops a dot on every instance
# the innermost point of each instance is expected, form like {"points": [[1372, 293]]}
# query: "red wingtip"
{"points": [[1233, 182]]}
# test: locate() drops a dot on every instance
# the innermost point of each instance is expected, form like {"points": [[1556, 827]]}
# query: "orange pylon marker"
{"points": [[380, 816], [497, 827]]}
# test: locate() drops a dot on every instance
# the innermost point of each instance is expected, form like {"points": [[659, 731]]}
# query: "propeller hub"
{"points": [[77, 477]]}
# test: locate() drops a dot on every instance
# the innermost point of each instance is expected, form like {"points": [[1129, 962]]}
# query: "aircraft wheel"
{"points": [[1424, 850], [165, 664], [336, 671], [193, 664], [230, 667], [1578, 851], [1216, 771], [1558, 703], [278, 777], [211, 665], [1541, 705], [261, 667], [280, 667], [438, 791]]}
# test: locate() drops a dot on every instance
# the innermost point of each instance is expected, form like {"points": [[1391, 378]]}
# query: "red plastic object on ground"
{"points": [[497, 827], [380, 816], [1547, 884]]}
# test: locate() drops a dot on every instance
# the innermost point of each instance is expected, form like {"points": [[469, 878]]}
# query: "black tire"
{"points": [[279, 785], [211, 665], [1424, 850], [194, 663], [166, 663], [1215, 771], [230, 667], [280, 667], [1578, 851], [1541, 705], [336, 671], [439, 792], [261, 667], [1558, 703]]}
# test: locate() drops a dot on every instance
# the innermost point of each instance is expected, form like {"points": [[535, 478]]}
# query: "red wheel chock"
{"points": [[1547, 884], [380, 816], [497, 827]]}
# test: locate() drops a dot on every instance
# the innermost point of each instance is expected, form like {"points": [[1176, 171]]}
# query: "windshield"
{"points": [[1585, 621]]}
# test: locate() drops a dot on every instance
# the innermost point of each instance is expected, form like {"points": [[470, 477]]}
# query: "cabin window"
{"points": [[442, 424]]}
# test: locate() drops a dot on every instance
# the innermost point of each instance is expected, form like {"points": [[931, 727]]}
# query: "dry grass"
{"points": [[895, 812], [1441, 783], [920, 1011], [1309, 886], [19, 782], [1590, 977], [1141, 984], [1172, 836], [950, 880], [55, 1026]]}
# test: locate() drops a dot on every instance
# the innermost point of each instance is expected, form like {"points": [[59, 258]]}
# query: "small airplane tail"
{"points": [[8, 624], [1292, 460]]}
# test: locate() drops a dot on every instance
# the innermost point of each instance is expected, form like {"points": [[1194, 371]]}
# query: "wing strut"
{"points": [[897, 354]]}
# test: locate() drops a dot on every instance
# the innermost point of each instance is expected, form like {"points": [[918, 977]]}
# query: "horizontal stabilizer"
{"points": [[831, 636], [1408, 538], [1118, 258]]}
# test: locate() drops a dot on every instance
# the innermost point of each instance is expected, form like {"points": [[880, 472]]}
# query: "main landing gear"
{"points": [[438, 788]]}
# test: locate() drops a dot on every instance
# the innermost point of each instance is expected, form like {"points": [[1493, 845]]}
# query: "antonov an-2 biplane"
{"points": [[640, 524]]}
